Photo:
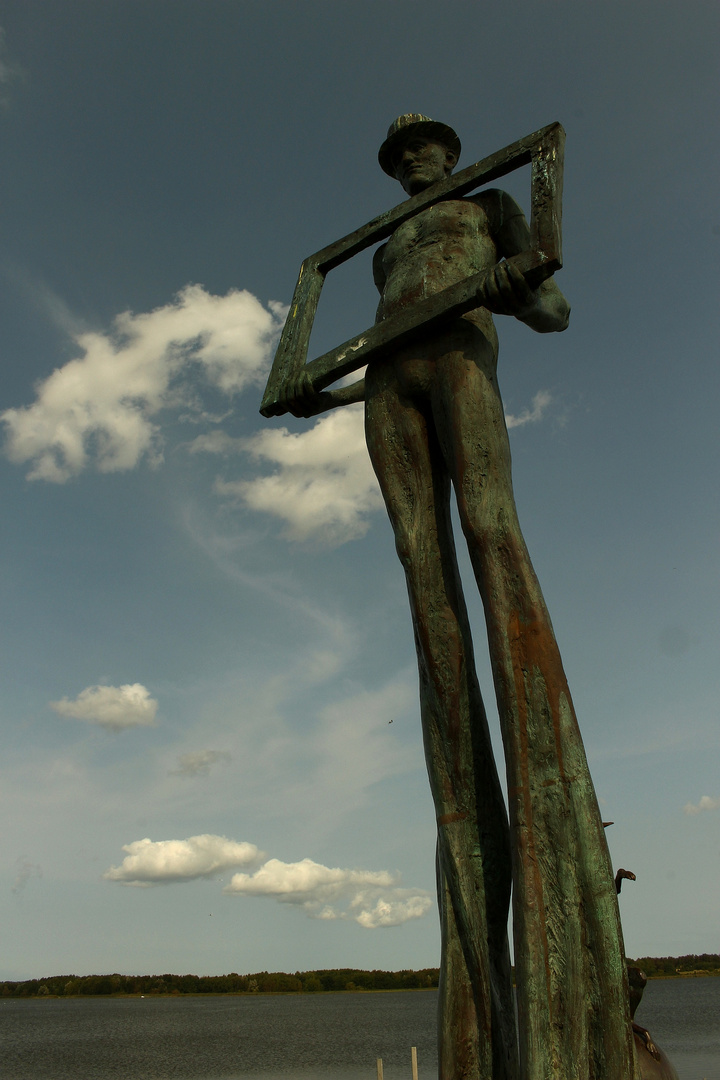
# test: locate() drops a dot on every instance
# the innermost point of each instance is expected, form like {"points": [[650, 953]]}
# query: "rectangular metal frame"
{"points": [[543, 151]]}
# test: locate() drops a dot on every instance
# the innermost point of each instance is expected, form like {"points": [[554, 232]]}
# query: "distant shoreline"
{"points": [[342, 980], [325, 981], [285, 993], [686, 975]]}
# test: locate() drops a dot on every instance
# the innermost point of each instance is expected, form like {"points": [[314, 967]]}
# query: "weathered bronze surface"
{"points": [[543, 150], [434, 421]]}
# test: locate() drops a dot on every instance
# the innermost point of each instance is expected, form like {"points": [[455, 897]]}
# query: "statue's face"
{"points": [[421, 162]]}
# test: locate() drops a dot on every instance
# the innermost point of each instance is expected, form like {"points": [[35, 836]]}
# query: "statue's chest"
{"points": [[454, 227]]}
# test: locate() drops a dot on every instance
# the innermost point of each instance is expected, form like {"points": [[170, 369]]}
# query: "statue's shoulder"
{"points": [[507, 224], [499, 207]]}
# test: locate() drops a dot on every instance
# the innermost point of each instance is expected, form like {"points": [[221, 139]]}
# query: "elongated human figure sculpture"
{"points": [[434, 420]]}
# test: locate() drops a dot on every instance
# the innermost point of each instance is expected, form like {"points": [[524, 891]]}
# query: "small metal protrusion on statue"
{"points": [[623, 875]]}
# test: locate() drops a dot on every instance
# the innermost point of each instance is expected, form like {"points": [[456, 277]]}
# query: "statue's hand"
{"points": [[508, 293], [299, 397]]}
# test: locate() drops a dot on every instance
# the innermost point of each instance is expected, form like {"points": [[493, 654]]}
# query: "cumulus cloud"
{"points": [[304, 882], [322, 487], [706, 803], [370, 897], [162, 862], [393, 911], [199, 762], [540, 403], [111, 707], [97, 410]]}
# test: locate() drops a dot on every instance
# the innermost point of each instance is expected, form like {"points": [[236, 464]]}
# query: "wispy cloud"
{"points": [[10, 72], [24, 871], [226, 552], [322, 487], [162, 862], [706, 803], [97, 410], [111, 707], [369, 897], [352, 745], [217, 442], [534, 414], [199, 762]]}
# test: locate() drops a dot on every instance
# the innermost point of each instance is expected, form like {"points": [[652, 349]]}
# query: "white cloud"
{"points": [[540, 402], [323, 486], [161, 862], [401, 907], [304, 882], [370, 897], [112, 707], [98, 409], [706, 803], [199, 762]]}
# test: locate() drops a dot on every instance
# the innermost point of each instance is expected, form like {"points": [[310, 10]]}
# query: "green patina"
{"points": [[434, 422]]}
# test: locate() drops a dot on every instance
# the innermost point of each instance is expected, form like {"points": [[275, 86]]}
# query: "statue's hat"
{"points": [[415, 124]]}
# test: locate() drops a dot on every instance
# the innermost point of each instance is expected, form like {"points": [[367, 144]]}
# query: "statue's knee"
{"points": [[477, 532], [406, 550]]}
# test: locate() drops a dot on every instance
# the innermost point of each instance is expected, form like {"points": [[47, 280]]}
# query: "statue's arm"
{"points": [[300, 398], [379, 277], [343, 395], [544, 309]]}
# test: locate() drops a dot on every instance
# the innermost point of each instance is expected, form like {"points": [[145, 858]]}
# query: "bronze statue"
{"points": [[434, 421]]}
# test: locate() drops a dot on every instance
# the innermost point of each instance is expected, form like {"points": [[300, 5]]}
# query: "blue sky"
{"points": [[211, 745]]}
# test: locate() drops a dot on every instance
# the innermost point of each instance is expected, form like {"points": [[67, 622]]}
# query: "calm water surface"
{"points": [[323, 1037]]}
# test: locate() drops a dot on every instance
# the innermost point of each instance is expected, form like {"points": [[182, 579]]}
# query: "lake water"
{"points": [[304, 1037]]}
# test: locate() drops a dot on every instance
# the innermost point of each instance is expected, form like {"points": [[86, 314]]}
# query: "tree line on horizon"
{"points": [[656, 967], [261, 982], [302, 982]]}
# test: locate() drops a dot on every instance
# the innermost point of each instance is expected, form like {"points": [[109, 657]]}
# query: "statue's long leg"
{"points": [[570, 973], [472, 825], [459, 1051]]}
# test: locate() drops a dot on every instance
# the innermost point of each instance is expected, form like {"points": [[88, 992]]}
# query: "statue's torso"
{"points": [[438, 247]]}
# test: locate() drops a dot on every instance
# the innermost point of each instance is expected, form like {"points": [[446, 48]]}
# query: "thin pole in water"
{"points": [[380, 1069], [413, 1058]]}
